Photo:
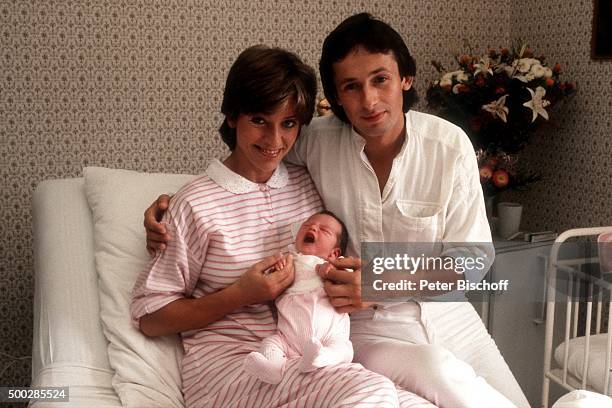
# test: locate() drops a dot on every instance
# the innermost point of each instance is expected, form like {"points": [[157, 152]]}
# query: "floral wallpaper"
{"points": [[137, 84], [573, 153]]}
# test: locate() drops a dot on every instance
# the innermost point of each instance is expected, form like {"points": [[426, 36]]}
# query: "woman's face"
{"points": [[262, 140]]}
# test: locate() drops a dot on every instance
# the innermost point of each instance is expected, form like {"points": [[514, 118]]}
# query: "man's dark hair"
{"points": [[260, 80], [375, 36], [342, 241]]}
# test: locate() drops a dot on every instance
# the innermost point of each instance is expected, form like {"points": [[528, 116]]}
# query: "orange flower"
{"points": [[464, 59], [550, 82], [505, 51], [500, 178], [461, 88], [486, 172], [557, 68]]}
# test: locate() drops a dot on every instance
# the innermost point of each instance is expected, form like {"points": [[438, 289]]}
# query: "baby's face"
{"points": [[318, 236]]}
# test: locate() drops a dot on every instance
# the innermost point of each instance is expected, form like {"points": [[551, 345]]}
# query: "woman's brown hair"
{"points": [[260, 80]]}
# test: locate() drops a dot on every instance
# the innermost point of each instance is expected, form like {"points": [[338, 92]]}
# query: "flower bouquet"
{"points": [[499, 99]]}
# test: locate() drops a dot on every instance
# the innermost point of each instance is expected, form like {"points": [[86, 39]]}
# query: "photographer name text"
{"points": [[424, 284]]}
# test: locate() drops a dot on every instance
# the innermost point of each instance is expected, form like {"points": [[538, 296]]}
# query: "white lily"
{"points": [[498, 108], [525, 64], [538, 70], [484, 66], [525, 78], [462, 76], [528, 69], [537, 103], [447, 79]]}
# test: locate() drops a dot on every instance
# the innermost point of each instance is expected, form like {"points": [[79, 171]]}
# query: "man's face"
{"points": [[370, 90]]}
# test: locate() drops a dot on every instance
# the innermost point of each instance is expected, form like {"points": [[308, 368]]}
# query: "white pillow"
{"points": [[147, 370], [583, 399]]}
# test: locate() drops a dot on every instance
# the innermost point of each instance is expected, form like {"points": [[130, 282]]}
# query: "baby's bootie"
{"points": [[267, 370]]}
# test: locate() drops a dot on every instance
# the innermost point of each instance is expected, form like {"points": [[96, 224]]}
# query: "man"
{"points": [[396, 175]]}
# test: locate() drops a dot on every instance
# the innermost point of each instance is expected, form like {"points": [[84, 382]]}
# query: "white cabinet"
{"points": [[515, 318]]}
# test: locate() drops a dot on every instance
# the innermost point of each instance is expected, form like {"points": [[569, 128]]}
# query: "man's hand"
{"points": [[343, 287], [157, 236], [259, 284]]}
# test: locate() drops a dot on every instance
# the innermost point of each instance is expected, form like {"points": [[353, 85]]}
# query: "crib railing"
{"points": [[581, 290]]}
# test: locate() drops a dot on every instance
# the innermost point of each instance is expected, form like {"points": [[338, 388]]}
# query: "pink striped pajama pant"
{"points": [[221, 382]]}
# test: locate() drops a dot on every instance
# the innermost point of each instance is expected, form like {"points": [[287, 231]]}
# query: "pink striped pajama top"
{"points": [[221, 224]]}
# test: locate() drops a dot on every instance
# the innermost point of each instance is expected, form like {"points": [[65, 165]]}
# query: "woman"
{"points": [[211, 284]]}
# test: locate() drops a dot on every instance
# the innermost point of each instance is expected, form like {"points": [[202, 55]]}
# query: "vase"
{"points": [[489, 206], [509, 221]]}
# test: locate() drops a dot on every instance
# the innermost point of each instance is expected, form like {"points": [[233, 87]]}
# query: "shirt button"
{"points": [[375, 307], [263, 188]]}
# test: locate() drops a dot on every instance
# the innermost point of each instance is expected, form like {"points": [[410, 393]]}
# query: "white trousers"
{"points": [[438, 350]]}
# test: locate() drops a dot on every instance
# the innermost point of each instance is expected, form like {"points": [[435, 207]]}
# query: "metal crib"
{"points": [[567, 272]]}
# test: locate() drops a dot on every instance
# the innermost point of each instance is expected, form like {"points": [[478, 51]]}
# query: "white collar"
{"points": [[360, 141], [236, 184]]}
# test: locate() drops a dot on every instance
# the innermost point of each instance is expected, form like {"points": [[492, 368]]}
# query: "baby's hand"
{"points": [[281, 263]]}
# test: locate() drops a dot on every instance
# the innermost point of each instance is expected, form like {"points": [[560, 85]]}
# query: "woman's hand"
{"points": [[342, 286], [157, 236], [256, 285], [260, 284]]}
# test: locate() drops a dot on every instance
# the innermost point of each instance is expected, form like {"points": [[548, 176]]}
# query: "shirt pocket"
{"points": [[420, 220]]}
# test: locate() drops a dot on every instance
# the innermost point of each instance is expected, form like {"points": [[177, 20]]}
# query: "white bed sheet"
{"points": [[575, 362], [69, 348], [89, 386]]}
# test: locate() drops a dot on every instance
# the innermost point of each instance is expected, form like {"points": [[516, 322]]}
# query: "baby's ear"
{"points": [[335, 253]]}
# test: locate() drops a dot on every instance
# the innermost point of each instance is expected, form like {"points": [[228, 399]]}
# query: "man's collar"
{"points": [[361, 141]]}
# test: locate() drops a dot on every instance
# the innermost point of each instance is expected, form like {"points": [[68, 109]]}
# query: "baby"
{"points": [[308, 325]]}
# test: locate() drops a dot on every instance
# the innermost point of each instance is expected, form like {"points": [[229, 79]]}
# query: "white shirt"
{"points": [[433, 193]]}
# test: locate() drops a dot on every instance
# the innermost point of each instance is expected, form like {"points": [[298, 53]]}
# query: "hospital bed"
{"points": [[70, 346]]}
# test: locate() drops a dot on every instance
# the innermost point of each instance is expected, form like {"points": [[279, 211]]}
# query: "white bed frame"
{"points": [[595, 286]]}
